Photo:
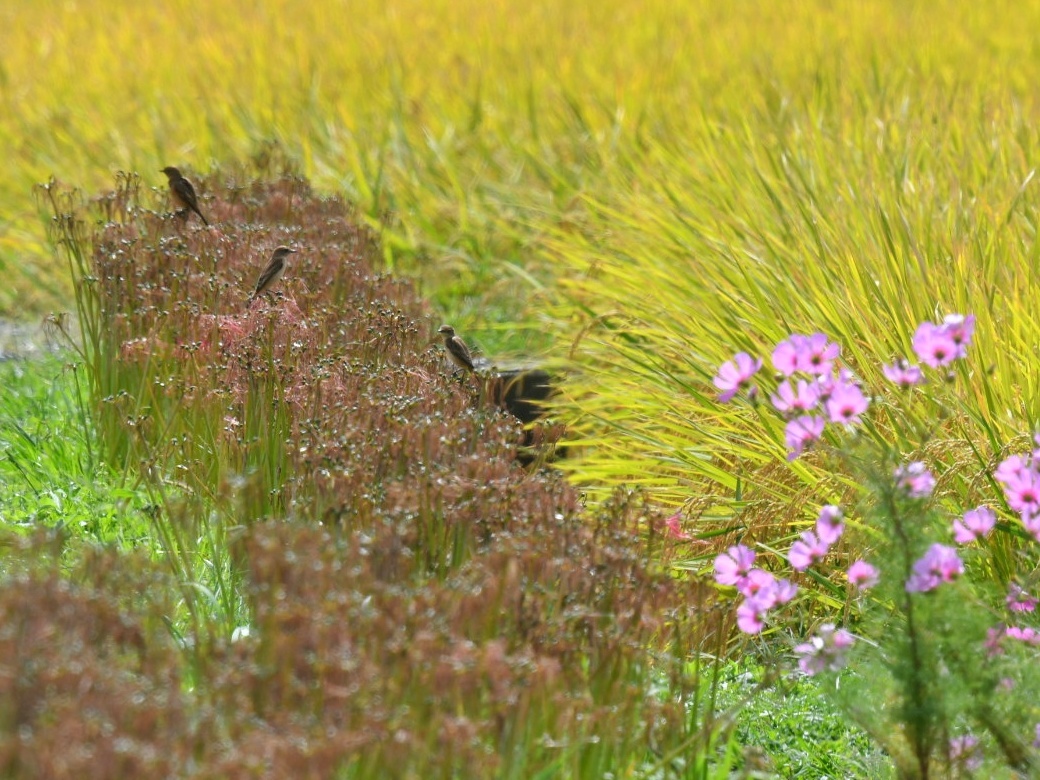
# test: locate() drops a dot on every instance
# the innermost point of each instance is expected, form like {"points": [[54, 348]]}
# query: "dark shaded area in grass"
{"points": [[413, 602]]}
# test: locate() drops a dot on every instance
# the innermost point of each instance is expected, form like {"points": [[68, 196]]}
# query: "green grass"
{"points": [[793, 725], [50, 475], [52, 480]]}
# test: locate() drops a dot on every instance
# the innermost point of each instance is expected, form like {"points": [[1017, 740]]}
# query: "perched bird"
{"points": [[456, 348], [183, 193], [274, 271]]}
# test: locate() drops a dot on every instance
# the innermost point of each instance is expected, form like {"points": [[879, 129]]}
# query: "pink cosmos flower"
{"points": [[750, 617], [904, 374], [846, 403], [732, 566], [1023, 493], [813, 354], [800, 432], [673, 528], [829, 525], [752, 611], [1036, 737], [827, 651], [735, 374], [788, 400], [766, 589], [935, 345], [784, 591], [862, 575], [1027, 634], [785, 356], [777, 592], [959, 329], [817, 354], [1010, 469], [1020, 601], [938, 565], [994, 638], [1032, 524], [975, 524], [770, 592], [829, 383], [915, 479], [756, 581], [806, 551]]}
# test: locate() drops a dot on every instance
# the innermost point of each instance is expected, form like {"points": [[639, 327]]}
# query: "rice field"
{"points": [[628, 192], [591, 183], [470, 131]]}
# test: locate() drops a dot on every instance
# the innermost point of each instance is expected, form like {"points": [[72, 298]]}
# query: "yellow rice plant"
{"points": [[439, 113], [692, 178], [859, 203], [466, 130]]}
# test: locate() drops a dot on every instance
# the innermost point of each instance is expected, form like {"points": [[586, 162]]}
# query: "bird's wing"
{"points": [[188, 192], [269, 273], [462, 351]]}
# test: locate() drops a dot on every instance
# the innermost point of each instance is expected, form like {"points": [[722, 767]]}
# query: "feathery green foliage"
{"points": [[49, 472]]}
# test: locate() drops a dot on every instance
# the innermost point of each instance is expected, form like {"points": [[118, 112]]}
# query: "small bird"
{"points": [[456, 348], [183, 192], [274, 271]]}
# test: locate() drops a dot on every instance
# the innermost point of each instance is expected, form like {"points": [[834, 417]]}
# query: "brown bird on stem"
{"points": [[183, 192], [274, 271], [456, 349]]}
